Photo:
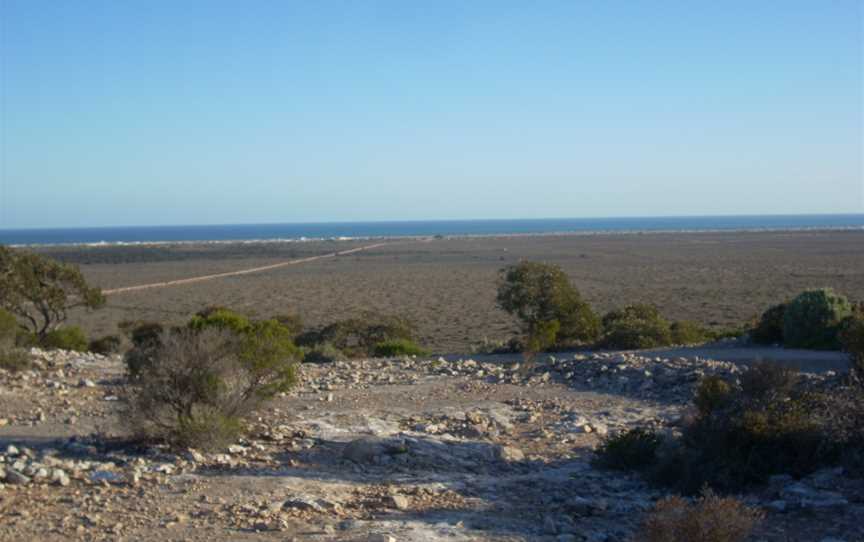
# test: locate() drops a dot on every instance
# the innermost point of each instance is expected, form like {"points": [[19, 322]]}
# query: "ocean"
{"points": [[337, 230]]}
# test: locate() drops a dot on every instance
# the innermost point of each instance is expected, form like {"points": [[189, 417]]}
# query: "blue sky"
{"points": [[182, 112]]}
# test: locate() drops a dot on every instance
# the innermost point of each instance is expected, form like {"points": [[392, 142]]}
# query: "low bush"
{"points": [[712, 394], [487, 346], [710, 519], [219, 317], [359, 336], [852, 341], [9, 329], [685, 332], [66, 338], [768, 328], [323, 353], [634, 327], [398, 347], [197, 385], [142, 333], [109, 344], [15, 359], [633, 449], [813, 320]]}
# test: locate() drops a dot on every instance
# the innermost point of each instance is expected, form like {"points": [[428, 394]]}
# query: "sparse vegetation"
{"points": [[9, 329], [549, 307], [813, 320], [323, 353], [40, 291], [852, 340], [15, 359], [710, 519]]}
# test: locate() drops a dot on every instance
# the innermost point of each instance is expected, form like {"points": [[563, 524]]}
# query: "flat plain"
{"points": [[447, 286]]}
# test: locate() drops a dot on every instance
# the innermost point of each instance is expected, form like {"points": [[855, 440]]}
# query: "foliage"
{"points": [[813, 319], [197, 385], [9, 329], [359, 336], [66, 338], [686, 332], [710, 519], [769, 327], [852, 340], [633, 449], [40, 291], [713, 393], [220, 317], [323, 353], [745, 433], [398, 347], [636, 326], [541, 294], [109, 344], [15, 359]]}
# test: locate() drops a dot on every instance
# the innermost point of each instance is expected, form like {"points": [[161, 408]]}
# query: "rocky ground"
{"points": [[391, 450]]}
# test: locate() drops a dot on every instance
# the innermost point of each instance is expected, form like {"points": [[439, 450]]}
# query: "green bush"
{"points": [[685, 332], [323, 353], [197, 385], [636, 327], [768, 329], [398, 347], [15, 359], [633, 449], [9, 329], [359, 336], [540, 294], [221, 318], [813, 319], [109, 344], [66, 338]]}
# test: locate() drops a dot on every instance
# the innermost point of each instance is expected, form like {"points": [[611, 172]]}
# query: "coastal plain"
{"points": [[446, 286]]}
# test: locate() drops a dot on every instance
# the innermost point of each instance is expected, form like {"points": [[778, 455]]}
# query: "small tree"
{"points": [[549, 306], [40, 291], [813, 320]]}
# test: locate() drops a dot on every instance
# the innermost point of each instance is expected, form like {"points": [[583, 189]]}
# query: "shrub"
{"points": [[769, 327], [709, 519], [539, 294], [713, 393], [66, 338], [323, 353], [9, 329], [398, 347], [684, 332], [109, 344], [633, 449], [359, 336], [221, 318], [852, 340], [198, 385], [41, 291], [636, 326], [144, 333], [812, 320], [15, 359], [766, 381]]}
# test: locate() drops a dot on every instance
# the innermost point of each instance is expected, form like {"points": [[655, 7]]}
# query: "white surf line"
{"points": [[202, 278]]}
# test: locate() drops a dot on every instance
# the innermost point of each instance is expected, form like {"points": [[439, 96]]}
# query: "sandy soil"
{"points": [[447, 286]]}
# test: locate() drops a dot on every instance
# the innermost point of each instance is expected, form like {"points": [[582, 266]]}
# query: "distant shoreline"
{"points": [[342, 239]]}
